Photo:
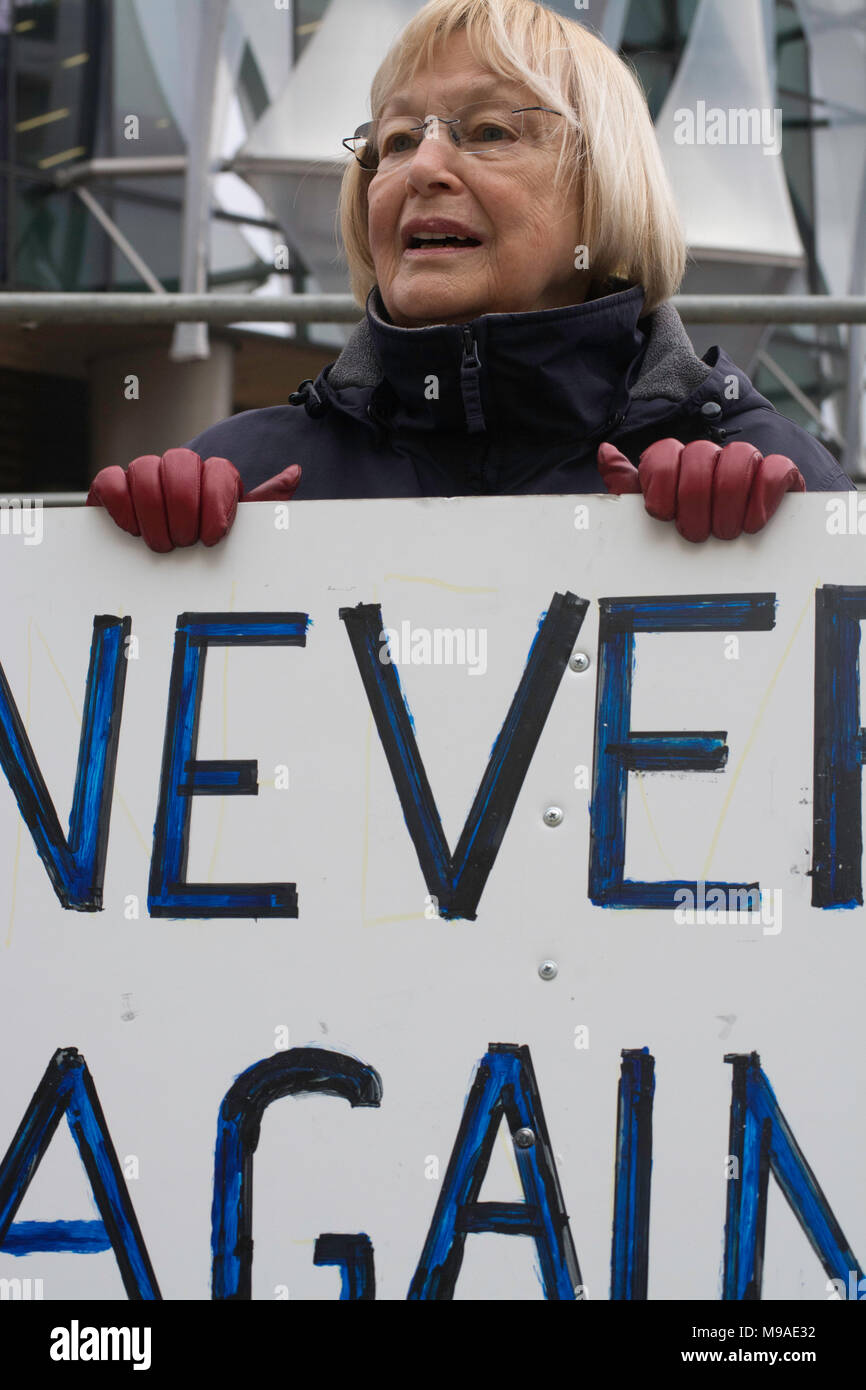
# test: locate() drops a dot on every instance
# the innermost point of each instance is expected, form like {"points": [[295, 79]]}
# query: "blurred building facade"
{"points": [[240, 107]]}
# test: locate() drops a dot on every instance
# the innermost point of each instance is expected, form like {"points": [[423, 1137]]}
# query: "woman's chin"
{"points": [[419, 304]]}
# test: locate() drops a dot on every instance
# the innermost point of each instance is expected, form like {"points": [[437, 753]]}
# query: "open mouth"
{"points": [[430, 242]]}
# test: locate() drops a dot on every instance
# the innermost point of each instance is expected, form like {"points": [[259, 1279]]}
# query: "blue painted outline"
{"points": [[56, 1237], [75, 865], [67, 1089], [619, 750], [457, 881], [183, 776], [504, 1085], [629, 1261], [762, 1143], [840, 748], [298, 1071], [353, 1255]]}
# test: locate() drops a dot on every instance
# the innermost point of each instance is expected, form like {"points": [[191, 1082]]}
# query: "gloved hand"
{"points": [[706, 489], [179, 499]]}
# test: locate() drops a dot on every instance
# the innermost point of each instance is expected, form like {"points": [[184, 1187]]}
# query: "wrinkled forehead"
{"points": [[432, 93]]}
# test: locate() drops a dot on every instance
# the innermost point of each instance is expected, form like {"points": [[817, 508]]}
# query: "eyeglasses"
{"points": [[492, 129]]}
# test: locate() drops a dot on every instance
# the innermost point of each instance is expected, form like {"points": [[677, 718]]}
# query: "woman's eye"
{"points": [[398, 143], [488, 133]]}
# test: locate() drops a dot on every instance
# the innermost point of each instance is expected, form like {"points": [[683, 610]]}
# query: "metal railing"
{"points": [[32, 310]]}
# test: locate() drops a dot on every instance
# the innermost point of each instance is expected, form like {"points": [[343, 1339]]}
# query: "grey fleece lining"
{"points": [[670, 368], [357, 364]]}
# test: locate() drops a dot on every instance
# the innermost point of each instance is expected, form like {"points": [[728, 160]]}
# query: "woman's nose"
{"points": [[436, 161]]}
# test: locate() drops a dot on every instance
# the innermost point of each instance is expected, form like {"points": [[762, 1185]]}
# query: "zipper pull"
{"points": [[470, 384], [470, 348]]}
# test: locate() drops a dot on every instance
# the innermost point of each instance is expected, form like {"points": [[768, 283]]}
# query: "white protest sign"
{"points": [[402, 788]]}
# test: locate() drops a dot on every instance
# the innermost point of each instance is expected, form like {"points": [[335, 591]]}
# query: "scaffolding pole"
{"points": [[31, 310]]}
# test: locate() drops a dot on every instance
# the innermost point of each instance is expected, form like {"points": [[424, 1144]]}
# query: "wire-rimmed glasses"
{"points": [[491, 129]]}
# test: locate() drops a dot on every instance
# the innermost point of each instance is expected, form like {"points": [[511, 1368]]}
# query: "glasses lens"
{"points": [[362, 145], [488, 128], [491, 128], [387, 142]]}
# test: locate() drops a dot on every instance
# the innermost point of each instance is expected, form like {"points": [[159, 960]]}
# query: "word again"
{"points": [[504, 1087]]}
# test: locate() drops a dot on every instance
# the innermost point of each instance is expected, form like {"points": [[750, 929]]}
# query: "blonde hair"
{"points": [[629, 221]]}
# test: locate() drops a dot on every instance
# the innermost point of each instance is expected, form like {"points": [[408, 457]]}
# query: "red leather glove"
{"points": [[707, 489], [178, 499]]}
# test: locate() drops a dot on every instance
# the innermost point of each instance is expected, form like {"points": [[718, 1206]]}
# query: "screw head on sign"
{"points": [[548, 970], [553, 816], [524, 1138], [579, 662]]}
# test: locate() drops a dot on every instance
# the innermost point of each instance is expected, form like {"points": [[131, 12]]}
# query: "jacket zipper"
{"points": [[470, 384]]}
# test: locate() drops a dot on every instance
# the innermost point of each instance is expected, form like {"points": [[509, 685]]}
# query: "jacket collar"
{"points": [[553, 374]]}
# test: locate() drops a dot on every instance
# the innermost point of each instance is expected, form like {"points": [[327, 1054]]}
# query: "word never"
{"points": [[75, 864]]}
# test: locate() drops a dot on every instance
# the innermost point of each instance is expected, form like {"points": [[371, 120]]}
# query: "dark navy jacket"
{"points": [[509, 403]]}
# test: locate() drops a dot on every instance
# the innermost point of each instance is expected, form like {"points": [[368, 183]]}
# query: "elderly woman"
{"points": [[510, 228]]}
